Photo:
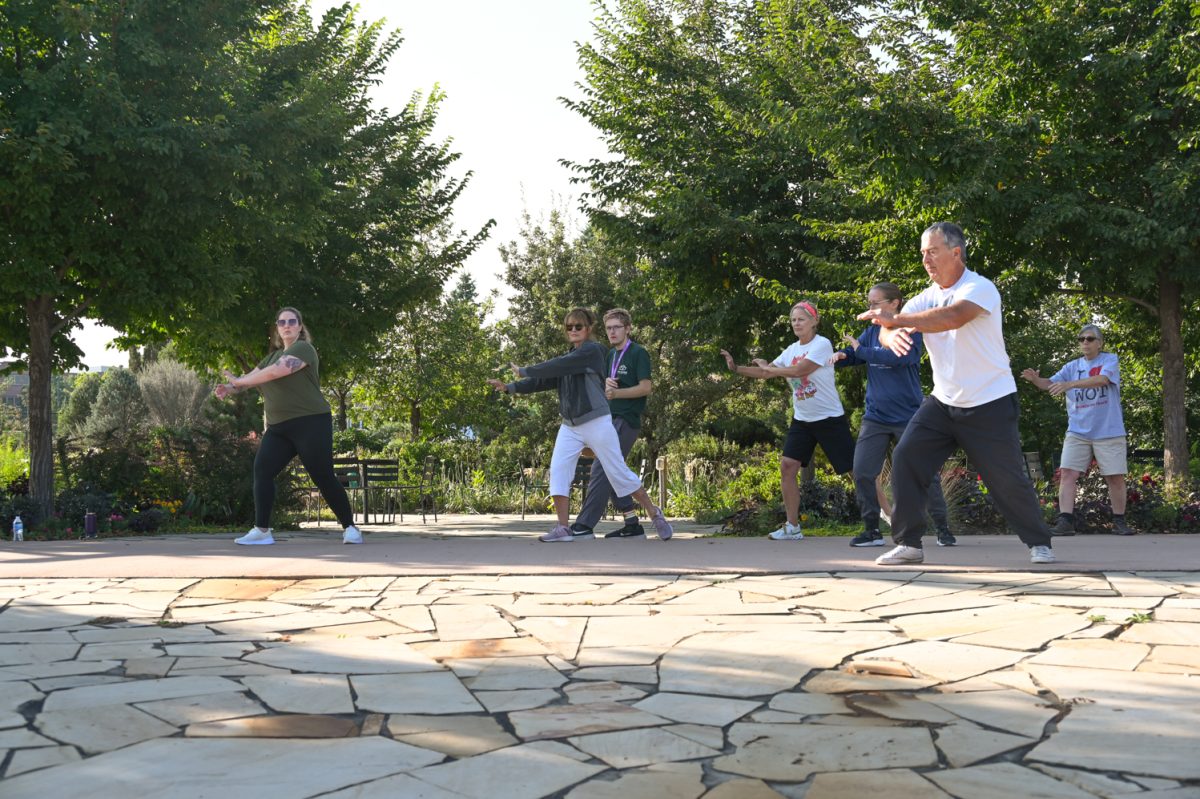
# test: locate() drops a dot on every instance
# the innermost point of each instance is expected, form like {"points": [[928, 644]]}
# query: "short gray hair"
{"points": [[1093, 329], [952, 234]]}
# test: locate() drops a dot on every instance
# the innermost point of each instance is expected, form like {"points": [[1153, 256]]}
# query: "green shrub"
{"points": [[14, 462]]}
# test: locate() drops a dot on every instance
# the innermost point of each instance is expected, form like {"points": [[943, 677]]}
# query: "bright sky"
{"points": [[503, 66]]}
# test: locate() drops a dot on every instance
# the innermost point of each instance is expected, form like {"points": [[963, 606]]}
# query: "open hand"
{"points": [[878, 316], [498, 385], [729, 362], [901, 342]]}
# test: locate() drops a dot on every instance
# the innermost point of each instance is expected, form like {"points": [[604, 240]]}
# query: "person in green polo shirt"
{"points": [[298, 422], [627, 384]]}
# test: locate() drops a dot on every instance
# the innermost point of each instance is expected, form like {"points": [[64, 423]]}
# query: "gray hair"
{"points": [[1094, 330], [952, 234]]}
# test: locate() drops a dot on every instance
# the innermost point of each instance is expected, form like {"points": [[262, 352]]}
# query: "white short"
{"points": [[1109, 453], [600, 436]]}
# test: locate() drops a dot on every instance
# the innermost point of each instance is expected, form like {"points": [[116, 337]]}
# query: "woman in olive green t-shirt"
{"points": [[298, 422]]}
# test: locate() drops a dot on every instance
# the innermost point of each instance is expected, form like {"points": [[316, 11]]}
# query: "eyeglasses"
{"points": [[614, 328], [287, 322], [878, 302], [575, 326], [1088, 339]]}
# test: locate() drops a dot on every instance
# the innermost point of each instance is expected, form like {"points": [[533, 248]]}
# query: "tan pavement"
{"points": [[465, 659], [507, 544]]}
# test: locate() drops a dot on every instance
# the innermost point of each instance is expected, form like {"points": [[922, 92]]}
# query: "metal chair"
{"points": [[381, 491], [426, 488], [349, 473], [583, 473]]}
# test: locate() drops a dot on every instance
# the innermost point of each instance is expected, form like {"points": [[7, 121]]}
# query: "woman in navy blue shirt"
{"points": [[893, 396]]}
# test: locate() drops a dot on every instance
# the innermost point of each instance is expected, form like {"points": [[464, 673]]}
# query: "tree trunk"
{"points": [[41, 426], [1170, 321], [341, 412], [414, 420]]}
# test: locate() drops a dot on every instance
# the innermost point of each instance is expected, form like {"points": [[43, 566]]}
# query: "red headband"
{"points": [[809, 309]]}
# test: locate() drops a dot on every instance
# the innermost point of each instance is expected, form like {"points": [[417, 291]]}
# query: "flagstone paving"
{"points": [[805, 686]]}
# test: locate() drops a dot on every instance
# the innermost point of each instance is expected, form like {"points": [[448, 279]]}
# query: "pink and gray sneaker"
{"points": [[559, 533], [661, 525]]}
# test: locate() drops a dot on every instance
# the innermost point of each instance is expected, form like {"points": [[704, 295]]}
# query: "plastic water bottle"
{"points": [[18, 529]]}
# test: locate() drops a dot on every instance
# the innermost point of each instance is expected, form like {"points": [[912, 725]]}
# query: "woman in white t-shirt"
{"points": [[817, 415]]}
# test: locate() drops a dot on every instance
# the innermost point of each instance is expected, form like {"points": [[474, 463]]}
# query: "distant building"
{"points": [[13, 388]]}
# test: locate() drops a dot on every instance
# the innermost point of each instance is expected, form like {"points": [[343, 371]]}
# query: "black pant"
{"points": [[310, 437], [988, 434]]}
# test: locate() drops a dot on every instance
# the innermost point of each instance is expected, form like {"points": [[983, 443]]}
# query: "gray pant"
{"points": [[873, 440], [988, 434], [599, 492]]}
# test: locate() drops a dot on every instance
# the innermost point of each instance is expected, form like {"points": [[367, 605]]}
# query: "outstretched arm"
{"points": [[756, 372], [1032, 376], [802, 369], [286, 365], [898, 327]]}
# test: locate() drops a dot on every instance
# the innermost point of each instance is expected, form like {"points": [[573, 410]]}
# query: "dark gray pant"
{"points": [[988, 435], [873, 440], [310, 437], [599, 491]]}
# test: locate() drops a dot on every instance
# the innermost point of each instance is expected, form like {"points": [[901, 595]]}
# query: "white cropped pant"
{"points": [[601, 437]]}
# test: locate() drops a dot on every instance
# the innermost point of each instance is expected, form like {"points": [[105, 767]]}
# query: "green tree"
{"points": [[119, 413], [1060, 134], [179, 169], [551, 270], [430, 370], [78, 406], [713, 199]]}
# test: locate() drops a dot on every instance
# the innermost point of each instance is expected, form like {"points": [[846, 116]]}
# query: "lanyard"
{"points": [[617, 360]]}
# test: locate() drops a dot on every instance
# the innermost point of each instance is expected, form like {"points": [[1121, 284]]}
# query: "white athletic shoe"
{"points": [[901, 556], [256, 536], [1041, 554], [352, 535], [789, 532]]}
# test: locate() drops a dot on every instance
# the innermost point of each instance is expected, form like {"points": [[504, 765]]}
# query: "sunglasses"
{"points": [[287, 322], [575, 326], [1087, 339]]}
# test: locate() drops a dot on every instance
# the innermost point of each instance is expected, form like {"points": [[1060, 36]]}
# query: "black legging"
{"points": [[310, 437]]}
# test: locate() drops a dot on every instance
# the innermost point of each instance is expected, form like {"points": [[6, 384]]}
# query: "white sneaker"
{"points": [[352, 535], [1041, 554], [789, 532], [901, 556], [256, 536]]}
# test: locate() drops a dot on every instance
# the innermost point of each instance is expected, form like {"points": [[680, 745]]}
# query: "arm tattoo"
{"points": [[292, 363]]}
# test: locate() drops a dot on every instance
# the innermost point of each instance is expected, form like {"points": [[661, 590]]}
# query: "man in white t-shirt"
{"points": [[1095, 427], [973, 404]]}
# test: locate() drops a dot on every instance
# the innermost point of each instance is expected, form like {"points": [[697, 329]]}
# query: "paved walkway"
{"points": [[426, 665], [509, 545]]}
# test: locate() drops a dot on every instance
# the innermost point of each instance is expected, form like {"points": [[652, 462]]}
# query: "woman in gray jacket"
{"points": [[578, 376]]}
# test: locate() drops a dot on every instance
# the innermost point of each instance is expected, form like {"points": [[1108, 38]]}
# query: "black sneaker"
{"points": [[634, 530], [1064, 526], [1121, 528], [946, 538], [581, 531], [867, 538]]}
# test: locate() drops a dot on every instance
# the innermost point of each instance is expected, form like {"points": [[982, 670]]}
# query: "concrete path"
{"points": [[507, 544], [480, 663]]}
